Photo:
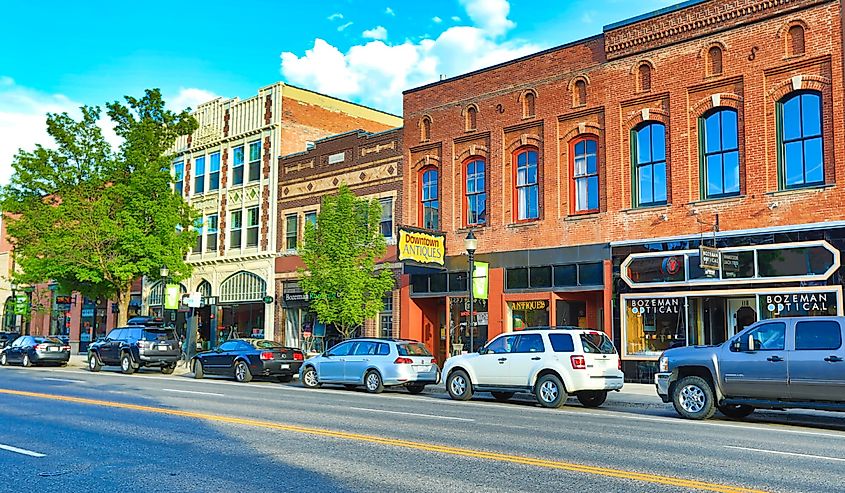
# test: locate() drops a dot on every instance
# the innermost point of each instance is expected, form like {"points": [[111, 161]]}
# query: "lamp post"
{"points": [[164, 272], [470, 243], [15, 307]]}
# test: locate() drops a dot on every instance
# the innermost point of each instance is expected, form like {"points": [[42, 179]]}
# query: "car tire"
{"points": [[736, 411], [459, 386], [126, 365], [199, 371], [693, 398], [284, 378], [592, 398], [242, 373], [168, 369], [373, 382], [309, 378], [415, 389], [25, 361], [94, 363], [3, 360], [550, 392], [502, 396]]}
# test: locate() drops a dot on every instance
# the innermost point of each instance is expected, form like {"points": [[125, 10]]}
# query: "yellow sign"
{"points": [[424, 248], [528, 305]]}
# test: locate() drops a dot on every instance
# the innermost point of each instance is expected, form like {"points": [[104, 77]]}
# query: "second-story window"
{"points": [[252, 227], [238, 165], [585, 174], [214, 171], [254, 161], [429, 202], [291, 231], [801, 142], [198, 229], [236, 221], [649, 159], [179, 177], [199, 175], [527, 186], [311, 218], [211, 233], [720, 153], [386, 222], [476, 193]]}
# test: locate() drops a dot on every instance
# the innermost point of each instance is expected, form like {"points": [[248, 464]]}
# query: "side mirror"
{"points": [[751, 343], [482, 350], [327, 354], [218, 350], [736, 346]]}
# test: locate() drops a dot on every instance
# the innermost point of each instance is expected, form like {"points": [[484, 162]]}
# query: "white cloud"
{"points": [[377, 32], [335, 16], [343, 27], [436, 20], [490, 15], [376, 72], [189, 97], [389, 11], [455, 18]]}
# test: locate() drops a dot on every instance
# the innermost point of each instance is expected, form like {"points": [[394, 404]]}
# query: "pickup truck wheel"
{"points": [[592, 398], [126, 365], [502, 396], [693, 398], [736, 410], [459, 386], [550, 392]]}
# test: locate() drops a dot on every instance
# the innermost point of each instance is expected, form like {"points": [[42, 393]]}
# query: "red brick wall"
{"points": [[757, 71]]}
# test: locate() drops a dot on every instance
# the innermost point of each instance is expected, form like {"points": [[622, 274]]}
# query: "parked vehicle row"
{"points": [[34, 350]]}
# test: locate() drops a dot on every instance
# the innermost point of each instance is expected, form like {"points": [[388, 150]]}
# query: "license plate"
{"points": [[422, 367], [164, 348], [52, 349], [285, 367]]}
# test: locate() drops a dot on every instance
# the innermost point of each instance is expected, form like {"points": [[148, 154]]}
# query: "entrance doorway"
{"points": [[742, 312]]}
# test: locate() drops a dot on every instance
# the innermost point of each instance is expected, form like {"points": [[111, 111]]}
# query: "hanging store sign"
{"points": [[709, 258], [171, 297], [21, 304], [424, 248], [479, 280]]}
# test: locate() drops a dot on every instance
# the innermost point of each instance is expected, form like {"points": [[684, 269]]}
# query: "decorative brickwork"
{"points": [[187, 180], [226, 117], [268, 109]]}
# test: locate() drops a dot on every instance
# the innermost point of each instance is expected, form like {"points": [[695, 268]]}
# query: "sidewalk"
{"points": [[80, 361]]}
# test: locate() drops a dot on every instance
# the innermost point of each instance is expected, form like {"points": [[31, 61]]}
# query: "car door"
{"points": [[13, 354], [221, 359], [754, 364], [331, 365], [526, 355], [357, 362], [817, 361], [109, 349], [491, 367]]}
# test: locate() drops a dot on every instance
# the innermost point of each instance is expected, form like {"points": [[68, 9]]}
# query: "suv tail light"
{"points": [[265, 355], [402, 361], [619, 365], [143, 344], [433, 361], [578, 362], [298, 356], [41, 347]]}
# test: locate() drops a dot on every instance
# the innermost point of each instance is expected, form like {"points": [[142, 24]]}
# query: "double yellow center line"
{"points": [[428, 447]]}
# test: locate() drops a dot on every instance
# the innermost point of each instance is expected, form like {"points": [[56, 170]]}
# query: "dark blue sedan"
{"points": [[244, 359], [35, 350]]}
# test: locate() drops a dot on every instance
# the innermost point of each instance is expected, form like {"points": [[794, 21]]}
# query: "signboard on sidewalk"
{"points": [[21, 304]]}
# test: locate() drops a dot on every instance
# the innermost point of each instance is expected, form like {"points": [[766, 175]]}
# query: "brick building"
{"points": [[592, 173], [227, 170], [371, 165]]}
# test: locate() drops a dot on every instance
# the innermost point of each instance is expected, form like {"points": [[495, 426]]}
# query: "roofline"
{"points": [[708, 235], [653, 14], [504, 64], [359, 133], [341, 100]]}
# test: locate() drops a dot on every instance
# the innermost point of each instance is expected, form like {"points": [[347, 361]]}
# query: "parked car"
{"points": [[7, 338], [146, 321], [549, 363], [134, 347], [247, 358], [773, 364], [373, 363], [35, 350]]}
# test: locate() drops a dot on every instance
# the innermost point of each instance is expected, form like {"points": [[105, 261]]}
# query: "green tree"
{"points": [[340, 254], [93, 219]]}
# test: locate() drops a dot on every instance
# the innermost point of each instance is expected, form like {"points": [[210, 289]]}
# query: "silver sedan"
{"points": [[373, 363]]}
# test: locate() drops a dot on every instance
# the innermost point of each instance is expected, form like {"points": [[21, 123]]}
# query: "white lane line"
{"points": [[21, 451], [793, 454], [193, 392], [64, 380], [409, 414]]}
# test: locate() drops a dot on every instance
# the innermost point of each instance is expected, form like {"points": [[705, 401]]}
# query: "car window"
{"points": [[562, 343], [131, 335], [767, 337], [500, 345], [412, 349], [341, 349], [48, 340], [383, 349], [29, 341], [114, 334], [818, 335], [229, 346], [18, 342], [150, 334], [529, 343], [244, 346], [597, 342], [364, 348], [265, 344]]}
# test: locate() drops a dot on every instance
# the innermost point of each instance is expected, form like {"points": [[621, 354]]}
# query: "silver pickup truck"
{"points": [[772, 364]]}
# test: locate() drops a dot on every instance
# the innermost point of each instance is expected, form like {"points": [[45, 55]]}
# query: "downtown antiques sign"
{"points": [[422, 247]]}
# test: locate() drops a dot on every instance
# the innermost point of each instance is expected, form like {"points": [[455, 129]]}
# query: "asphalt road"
{"points": [[152, 433]]}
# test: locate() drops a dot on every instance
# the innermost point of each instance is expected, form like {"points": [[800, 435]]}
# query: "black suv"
{"points": [[136, 346], [7, 338]]}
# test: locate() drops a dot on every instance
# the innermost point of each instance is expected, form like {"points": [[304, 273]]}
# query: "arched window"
{"points": [[243, 286], [425, 129], [649, 158], [429, 203], [644, 77], [528, 104], [527, 189], [580, 93], [720, 153], [585, 174], [476, 193], [472, 118], [795, 37], [714, 60], [204, 288], [801, 142]]}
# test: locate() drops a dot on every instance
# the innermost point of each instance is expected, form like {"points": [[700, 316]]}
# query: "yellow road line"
{"points": [[428, 447]]}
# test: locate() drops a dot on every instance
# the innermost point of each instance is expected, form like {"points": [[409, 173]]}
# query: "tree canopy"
{"points": [[340, 253], [94, 219]]}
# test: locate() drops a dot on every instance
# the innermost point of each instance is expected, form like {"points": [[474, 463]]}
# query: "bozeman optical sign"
{"points": [[422, 247], [648, 306], [807, 302]]}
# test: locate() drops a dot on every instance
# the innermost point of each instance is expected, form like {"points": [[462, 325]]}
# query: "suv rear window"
{"points": [[412, 349], [159, 334], [562, 343], [597, 342]]}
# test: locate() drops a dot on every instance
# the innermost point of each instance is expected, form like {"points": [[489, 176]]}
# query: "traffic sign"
{"points": [[268, 300]]}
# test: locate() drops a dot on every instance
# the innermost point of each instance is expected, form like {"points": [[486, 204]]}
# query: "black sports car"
{"points": [[248, 358]]}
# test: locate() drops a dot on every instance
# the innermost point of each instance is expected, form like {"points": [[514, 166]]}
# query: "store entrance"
{"points": [[715, 319], [742, 312]]}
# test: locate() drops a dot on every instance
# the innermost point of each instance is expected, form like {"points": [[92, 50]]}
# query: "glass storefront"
{"points": [[527, 314], [459, 311]]}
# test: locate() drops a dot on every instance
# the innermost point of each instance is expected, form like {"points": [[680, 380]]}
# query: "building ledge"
{"points": [[718, 201], [647, 208], [798, 191], [583, 217], [525, 224]]}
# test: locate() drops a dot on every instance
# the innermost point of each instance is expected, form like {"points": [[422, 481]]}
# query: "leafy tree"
{"points": [[93, 219], [340, 254]]}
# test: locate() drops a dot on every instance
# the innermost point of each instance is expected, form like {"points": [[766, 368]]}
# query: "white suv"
{"points": [[550, 363]]}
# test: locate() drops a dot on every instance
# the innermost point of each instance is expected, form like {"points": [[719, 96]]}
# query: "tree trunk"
{"points": [[123, 298]]}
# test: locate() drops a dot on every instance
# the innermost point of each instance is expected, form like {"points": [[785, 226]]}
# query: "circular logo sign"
{"points": [[672, 265]]}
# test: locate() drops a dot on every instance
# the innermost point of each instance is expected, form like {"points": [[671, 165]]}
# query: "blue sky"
{"points": [[59, 55]]}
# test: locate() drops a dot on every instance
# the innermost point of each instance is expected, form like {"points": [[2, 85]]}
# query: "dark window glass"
{"points": [[596, 342], [211, 233], [657, 269], [746, 265], [412, 349], [341, 349], [457, 281], [383, 349], [720, 153], [562, 343], [540, 277], [114, 335], [199, 175], [238, 165], [386, 222], [527, 188], [438, 283], [516, 278], [566, 275], [590, 274], [818, 335], [419, 283], [252, 227], [794, 261], [235, 229], [530, 343], [476, 193], [585, 175], [229, 346], [254, 161], [650, 164], [501, 345], [179, 177], [214, 171], [364, 348], [158, 334], [802, 159], [429, 198]]}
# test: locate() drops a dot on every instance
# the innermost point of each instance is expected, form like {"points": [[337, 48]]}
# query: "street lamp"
{"points": [[164, 272], [470, 243], [15, 307]]}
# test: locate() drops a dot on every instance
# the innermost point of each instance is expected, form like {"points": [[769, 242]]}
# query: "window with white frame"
{"points": [[291, 231], [254, 161], [238, 165], [235, 229], [214, 171], [252, 227], [199, 175], [386, 223], [211, 233]]}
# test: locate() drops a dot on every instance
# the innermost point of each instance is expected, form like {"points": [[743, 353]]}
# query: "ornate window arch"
{"points": [[719, 152], [429, 180], [526, 166], [475, 191], [714, 60], [801, 139], [204, 288], [243, 287], [471, 117], [648, 157], [644, 76], [425, 128], [529, 103]]}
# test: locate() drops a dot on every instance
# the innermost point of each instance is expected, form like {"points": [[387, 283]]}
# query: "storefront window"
{"points": [[437, 283], [540, 277], [590, 274], [528, 314], [794, 261], [517, 278], [799, 304], [654, 325], [657, 269], [459, 311], [566, 275]]}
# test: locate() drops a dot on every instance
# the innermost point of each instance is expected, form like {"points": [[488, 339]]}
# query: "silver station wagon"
{"points": [[373, 363]]}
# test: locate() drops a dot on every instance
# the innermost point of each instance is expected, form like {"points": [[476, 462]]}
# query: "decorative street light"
{"points": [[164, 272], [470, 243], [15, 307]]}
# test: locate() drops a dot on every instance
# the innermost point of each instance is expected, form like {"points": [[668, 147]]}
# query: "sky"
{"points": [[60, 55]]}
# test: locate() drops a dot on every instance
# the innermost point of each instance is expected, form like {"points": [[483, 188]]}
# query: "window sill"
{"points": [[583, 216], [647, 208], [720, 200], [480, 227], [796, 191], [524, 224]]}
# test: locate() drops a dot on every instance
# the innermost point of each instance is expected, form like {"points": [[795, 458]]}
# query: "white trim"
{"points": [[729, 234], [732, 293], [623, 269]]}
